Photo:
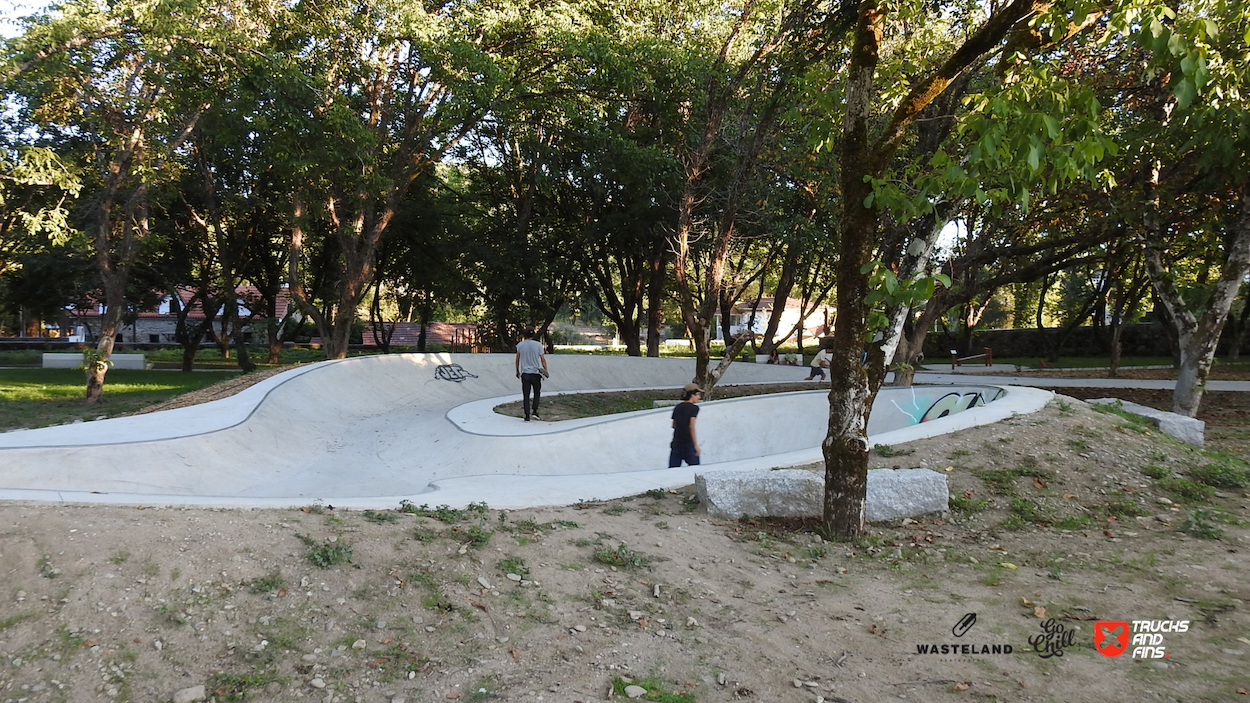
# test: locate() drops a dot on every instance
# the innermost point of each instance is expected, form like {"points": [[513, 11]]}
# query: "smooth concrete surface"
{"points": [[371, 431]]}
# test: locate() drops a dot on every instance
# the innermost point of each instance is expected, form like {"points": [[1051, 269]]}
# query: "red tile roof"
{"points": [[407, 333]]}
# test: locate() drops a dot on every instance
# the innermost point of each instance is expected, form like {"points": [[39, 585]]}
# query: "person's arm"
{"points": [[543, 358], [518, 364], [694, 439]]}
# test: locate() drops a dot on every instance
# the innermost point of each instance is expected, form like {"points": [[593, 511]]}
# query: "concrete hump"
{"points": [[892, 493], [1186, 429]]}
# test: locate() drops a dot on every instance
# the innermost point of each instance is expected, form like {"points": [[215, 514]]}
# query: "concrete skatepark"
{"points": [[368, 432]]}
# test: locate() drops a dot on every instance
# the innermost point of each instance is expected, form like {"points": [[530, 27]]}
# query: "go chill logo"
{"points": [[1114, 637]]}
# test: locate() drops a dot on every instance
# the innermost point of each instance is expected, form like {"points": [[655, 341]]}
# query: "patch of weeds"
{"points": [[1122, 505], [1186, 489], [119, 557], [1157, 471], [271, 581], [967, 504], [1065, 408], [235, 687], [69, 642], [1198, 523], [1225, 472], [615, 509], [1078, 445], [690, 503], [478, 535], [1030, 511], [175, 574], [817, 551], [151, 569], [483, 690], [662, 524], [959, 454], [1133, 420], [885, 450], [424, 534], [512, 565], [45, 568], [622, 557], [528, 526], [1073, 522], [656, 690], [445, 513], [1003, 481], [585, 542], [327, 553], [656, 493], [316, 508], [1014, 523], [379, 517], [10, 621]]}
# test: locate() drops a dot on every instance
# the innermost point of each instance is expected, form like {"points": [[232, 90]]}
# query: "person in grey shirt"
{"points": [[531, 368]]}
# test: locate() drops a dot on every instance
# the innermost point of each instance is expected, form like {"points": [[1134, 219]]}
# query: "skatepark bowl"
{"points": [[368, 432]]}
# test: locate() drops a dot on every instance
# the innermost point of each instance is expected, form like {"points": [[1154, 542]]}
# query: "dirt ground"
{"points": [[1064, 517]]}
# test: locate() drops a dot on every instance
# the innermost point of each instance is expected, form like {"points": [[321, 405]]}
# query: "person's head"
{"points": [[530, 334], [691, 392]]}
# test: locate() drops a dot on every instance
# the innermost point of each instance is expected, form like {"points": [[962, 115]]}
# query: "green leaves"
{"points": [[887, 291]]}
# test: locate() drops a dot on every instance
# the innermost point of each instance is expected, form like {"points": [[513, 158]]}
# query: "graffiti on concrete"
{"points": [[948, 404], [452, 372]]}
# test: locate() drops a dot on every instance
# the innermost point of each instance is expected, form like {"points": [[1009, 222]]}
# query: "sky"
{"points": [[10, 10]]}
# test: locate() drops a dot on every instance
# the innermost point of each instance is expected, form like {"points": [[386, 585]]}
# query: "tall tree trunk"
{"points": [[1198, 336], [1240, 330], [850, 397], [781, 295], [911, 347], [655, 297], [845, 446]]}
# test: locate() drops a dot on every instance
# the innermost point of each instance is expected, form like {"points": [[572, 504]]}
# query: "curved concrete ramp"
{"points": [[371, 431]]}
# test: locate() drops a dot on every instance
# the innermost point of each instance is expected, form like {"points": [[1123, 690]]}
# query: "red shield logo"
{"points": [[1111, 637]]}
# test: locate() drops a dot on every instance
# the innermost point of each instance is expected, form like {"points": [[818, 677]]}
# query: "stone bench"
{"points": [[58, 360], [1174, 425], [892, 493]]}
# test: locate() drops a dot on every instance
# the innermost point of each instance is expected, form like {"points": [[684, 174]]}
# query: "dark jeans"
{"points": [[530, 382], [679, 453]]}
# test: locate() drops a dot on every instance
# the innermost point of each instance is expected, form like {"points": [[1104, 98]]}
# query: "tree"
{"points": [[759, 67], [866, 157], [378, 95], [1189, 158], [109, 76]]}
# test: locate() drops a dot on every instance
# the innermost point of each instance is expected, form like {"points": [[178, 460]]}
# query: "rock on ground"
{"points": [[892, 493]]}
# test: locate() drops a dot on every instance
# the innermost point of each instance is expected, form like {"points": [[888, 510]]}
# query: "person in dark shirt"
{"points": [[685, 444]]}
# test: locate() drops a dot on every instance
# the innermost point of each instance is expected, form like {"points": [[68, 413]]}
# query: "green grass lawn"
{"points": [[41, 397]]}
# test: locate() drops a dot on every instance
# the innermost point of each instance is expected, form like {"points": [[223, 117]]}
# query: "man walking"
{"points": [[819, 363], [531, 368], [685, 445]]}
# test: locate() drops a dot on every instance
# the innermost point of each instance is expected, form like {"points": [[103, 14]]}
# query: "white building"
{"points": [[818, 323]]}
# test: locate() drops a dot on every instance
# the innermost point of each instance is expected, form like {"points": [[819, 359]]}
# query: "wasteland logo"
{"points": [[1053, 638], [959, 630], [1111, 637]]}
